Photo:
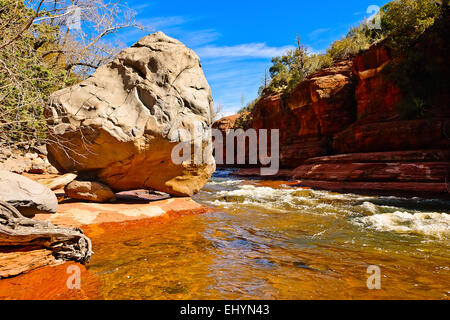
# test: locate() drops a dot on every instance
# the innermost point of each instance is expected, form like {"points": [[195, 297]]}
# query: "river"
{"points": [[273, 240]]}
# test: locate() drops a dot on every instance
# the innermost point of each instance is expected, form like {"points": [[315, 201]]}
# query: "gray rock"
{"points": [[31, 155], [16, 165], [28, 196], [38, 165], [40, 149], [122, 123]]}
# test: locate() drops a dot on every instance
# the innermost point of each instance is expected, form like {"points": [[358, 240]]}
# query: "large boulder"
{"points": [[121, 124], [28, 196]]}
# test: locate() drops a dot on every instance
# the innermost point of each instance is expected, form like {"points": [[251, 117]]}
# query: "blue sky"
{"points": [[236, 39]]}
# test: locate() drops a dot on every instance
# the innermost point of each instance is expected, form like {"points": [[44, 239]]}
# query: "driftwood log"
{"points": [[65, 243]]}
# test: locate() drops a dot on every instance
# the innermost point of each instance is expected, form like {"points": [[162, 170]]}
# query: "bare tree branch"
{"points": [[25, 28]]}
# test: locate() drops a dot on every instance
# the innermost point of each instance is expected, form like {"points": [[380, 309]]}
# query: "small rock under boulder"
{"points": [[89, 191], [28, 196]]}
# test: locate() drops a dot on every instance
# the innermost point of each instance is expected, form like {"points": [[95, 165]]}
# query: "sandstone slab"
{"points": [[58, 182], [83, 214], [403, 188], [394, 136], [381, 171], [393, 156]]}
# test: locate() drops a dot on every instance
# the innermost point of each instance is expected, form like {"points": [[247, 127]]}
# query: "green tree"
{"points": [[40, 53], [403, 21]]}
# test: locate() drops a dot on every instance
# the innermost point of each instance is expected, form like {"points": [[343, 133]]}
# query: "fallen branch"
{"points": [[65, 243]]}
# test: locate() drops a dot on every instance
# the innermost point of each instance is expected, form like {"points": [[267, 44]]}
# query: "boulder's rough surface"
{"points": [[89, 191], [121, 124], [28, 196]]}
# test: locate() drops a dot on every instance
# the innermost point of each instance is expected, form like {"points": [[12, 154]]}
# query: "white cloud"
{"points": [[317, 33], [199, 37], [163, 22], [248, 50]]}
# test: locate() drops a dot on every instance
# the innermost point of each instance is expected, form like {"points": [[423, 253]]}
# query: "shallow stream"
{"points": [[272, 240]]}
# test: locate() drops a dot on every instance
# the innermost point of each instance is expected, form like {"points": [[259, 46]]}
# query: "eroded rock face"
{"points": [[379, 125], [423, 172], [319, 107], [121, 124], [376, 96], [26, 195], [342, 130]]}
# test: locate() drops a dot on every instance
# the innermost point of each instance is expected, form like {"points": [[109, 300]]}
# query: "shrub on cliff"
{"points": [[420, 70], [403, 21], [357, 39], [292, 68]]}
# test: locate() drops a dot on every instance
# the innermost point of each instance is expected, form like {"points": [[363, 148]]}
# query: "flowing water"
{"points": [[272, 240]]}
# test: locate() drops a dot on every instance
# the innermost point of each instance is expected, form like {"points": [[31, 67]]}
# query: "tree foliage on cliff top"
{"points": [[401, 22]]}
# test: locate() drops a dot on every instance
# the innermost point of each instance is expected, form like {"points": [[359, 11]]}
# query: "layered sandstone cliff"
{"points": [[342, 130]]}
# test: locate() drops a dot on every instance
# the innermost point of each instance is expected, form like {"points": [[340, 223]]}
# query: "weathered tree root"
{"points": [[65, 243]]}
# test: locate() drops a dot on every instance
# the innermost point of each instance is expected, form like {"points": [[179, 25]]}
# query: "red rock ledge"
{"points": [[84, 215]]}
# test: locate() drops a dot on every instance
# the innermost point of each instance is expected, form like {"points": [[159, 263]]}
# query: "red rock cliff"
{"points": [[342, 129]]}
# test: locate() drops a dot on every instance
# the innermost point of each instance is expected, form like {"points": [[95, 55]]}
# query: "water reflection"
{"points": [[269, 240]]}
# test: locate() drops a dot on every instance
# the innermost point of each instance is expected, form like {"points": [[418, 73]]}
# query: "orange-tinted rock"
{"points": [[80, 214], [417, 172], [16, 262], [227, 123], [395, 156], [343, 124], [256, 172], [301, 149], [317, 108], [329, 95], [89, 191], [271, 112], [393, 136], [376, 96], [51, 283], [382, 171]]}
